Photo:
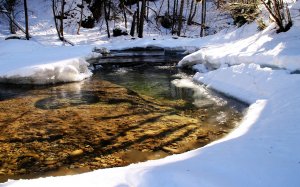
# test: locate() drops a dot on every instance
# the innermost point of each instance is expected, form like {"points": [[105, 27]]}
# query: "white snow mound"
{"points": [[27, 62], [63, 71]]}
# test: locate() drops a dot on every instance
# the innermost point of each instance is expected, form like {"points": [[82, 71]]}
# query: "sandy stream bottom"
{"points": [[75, 130]]}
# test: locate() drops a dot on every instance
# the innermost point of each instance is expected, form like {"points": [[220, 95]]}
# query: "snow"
{"points": [[255, 67], [265, 48], [32, 63]]}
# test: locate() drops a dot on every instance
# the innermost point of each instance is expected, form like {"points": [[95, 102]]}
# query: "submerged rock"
{"points": [[77, 152]]}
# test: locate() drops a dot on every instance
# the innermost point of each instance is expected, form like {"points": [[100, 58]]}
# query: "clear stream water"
{"points": [[117, 117]]}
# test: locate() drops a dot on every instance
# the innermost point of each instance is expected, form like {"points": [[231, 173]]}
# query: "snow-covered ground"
{"points": [[259, 68], [32, 63]]}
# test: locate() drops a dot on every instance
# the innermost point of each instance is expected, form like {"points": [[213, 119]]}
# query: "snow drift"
{"points": [[27, 62]]}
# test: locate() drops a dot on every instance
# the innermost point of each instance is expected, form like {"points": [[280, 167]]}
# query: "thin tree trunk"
{"points": [[180, 17], [147, 16], [203, 18], [59, 33], [189, 22], [138, 17], [176, 7], [26, 19], [124, 13], [81, 15], [168, 11], [106, 15], [11, 25], [133, 24], [142, 17], [13, 22], [109, 7], [195, 11], [10, 9], [277, 20], [55, 21], [61, 29], [174, 16]]}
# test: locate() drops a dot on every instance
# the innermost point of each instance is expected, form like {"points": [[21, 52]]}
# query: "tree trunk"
{"points": [[168, 11], [203, 18], [174, 16], [133, 24], [195, 11], [26, 20], [55, 21], [11, 24], [138, 17], [81, 15], [190, 18], [280, 13], [10, 8], [62, 14], [106, 15], [142, 17], [124, 13], [148, 5], [180, 17]]}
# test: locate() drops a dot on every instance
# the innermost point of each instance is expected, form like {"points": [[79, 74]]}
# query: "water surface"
{"points": [[117, 117]]}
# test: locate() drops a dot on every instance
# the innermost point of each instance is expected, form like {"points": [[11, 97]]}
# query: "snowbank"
{"points": [[246, 45], [27, 62], [262, 83], [262, 151]]}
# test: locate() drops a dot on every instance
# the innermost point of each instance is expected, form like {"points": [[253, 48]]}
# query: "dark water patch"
{"points": [[295, 72], [154, 56], [64, 100], [10, 91]]}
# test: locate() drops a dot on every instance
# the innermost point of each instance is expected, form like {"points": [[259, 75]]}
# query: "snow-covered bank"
{"points": [[31, 63], [262, 83], [262, 151], [265, 48], [246, 45]]}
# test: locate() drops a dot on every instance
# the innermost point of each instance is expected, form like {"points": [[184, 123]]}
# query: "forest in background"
{"points": [[131, 17]]}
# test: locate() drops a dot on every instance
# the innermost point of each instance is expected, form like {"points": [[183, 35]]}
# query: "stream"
{"points": [[119, 116]]}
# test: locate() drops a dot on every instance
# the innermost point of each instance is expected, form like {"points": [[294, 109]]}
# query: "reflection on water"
{"points": [[63, 100], [166, 82]]}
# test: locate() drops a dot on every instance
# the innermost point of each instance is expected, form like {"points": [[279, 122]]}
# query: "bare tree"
{"points": [[280, 13], [7, 10], [142, 17], [168, 5], [58, 9], [61, 17], [138, 17], [10, 6], [124, 12], [175, 4], [26, 20], [180, 17], [203, 19], [81, 15], [106, 17], [192, 12], [133, 24], [55, 11]]}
